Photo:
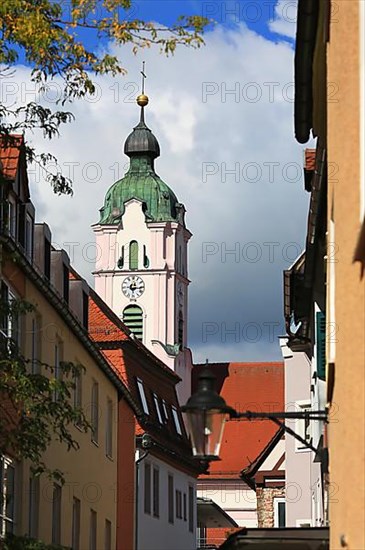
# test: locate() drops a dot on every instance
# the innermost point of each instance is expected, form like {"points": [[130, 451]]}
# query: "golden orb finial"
{"points": [[142, 100]]}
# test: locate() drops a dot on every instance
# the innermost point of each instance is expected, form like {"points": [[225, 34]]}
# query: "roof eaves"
{"points": [[64, 311]]}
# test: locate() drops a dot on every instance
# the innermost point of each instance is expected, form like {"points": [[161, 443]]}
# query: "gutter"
{"points": [[307, 22]]}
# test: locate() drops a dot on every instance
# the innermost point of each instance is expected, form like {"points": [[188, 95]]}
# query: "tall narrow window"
{"points": [[133, 319], [191, 509], [56, 514], [133, 255], [12, 217], [58, 356], [147, 488], [93, 530], [146, 261], [279, 512], [156, 492], [33, 507], [181, 329], [171, 498], [109, 429], [36, 344], [78, 390], [76, 514], [7, 477], [29, 228], [95, 412], [121, 259], [178, 504], [108, 535], [185, 507]]}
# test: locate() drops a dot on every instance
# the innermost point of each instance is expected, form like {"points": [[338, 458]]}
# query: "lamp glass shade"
{"points": [[206, 431]]}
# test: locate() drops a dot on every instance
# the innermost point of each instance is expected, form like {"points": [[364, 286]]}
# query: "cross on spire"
{"points": [[143, 76]]}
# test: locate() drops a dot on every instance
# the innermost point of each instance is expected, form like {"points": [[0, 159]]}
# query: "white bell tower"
{"points": [[142, 268]]}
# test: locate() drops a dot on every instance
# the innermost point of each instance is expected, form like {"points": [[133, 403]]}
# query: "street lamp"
{"points": [[206, 413]]}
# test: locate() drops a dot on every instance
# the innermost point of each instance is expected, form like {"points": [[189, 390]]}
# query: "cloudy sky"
{"points": [[224, 118]]}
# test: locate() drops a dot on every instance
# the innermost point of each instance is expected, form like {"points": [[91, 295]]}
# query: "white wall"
{"points": [[298, 462], [233, 496], [157, 533]]}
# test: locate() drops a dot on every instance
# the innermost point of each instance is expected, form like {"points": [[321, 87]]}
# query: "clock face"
{"points": [[133, 287]]}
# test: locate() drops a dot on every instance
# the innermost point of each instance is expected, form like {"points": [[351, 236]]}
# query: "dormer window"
{"points": [[158, 410], [142, 396], [175, 416], [12, 216]]}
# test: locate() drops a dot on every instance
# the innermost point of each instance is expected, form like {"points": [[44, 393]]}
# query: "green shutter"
{"points": [[321, 344]]}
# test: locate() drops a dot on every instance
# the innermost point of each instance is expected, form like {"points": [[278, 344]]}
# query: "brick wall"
{"points": [[265, 504]]}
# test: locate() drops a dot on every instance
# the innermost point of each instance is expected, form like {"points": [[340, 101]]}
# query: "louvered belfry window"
{"points": [[321, 344], [133, 319]]}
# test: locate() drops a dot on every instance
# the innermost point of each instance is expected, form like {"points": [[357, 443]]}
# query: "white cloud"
{"points": [[243, 123], [285, 19]]}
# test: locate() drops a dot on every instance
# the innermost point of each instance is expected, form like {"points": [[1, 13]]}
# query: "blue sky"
{"points": [[235, 299], [256, 14]]}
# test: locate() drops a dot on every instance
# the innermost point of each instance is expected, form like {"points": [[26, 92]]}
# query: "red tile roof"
{"points": [[310, 159], [101, 327], [246, 386], [10, 148]]}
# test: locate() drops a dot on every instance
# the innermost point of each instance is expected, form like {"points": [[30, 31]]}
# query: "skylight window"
{"points": [[176, 418], [142, 396], [158, 410]]}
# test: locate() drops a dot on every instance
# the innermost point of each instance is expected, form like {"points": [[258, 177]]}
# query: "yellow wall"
{"points": [[346, 430], [90, 475]]}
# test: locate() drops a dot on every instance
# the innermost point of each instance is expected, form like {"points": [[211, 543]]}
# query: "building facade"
{"points": [[159, 488], [82, 512], [329, 104]]}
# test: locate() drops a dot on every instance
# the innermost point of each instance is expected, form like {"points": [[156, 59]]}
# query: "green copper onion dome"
{"points": [[141, 181]]}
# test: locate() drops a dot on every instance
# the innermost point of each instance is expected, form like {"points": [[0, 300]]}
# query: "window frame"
{"points": [[303, 427], [157, 407], [156, 492], [33, 516], [76, 523], [142, 396], [109, 428], [147, 488], [170, 498], [6, 519], [93, 530], [176, 418], [94, 412], [276, 505], [56, 514]]}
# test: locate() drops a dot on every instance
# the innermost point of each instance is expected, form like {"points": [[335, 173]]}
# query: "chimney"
{"points": [[60, 266], [79, 300]]}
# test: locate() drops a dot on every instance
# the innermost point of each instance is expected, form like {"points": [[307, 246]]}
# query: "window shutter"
{"points": [[321, 344]]}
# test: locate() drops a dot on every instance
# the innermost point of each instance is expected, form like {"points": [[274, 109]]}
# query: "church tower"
{"points": [[142, 268]]}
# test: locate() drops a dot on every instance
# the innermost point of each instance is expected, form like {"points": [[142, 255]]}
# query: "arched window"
{"points": [[181, 329], [133, 319], [133, 255]]}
